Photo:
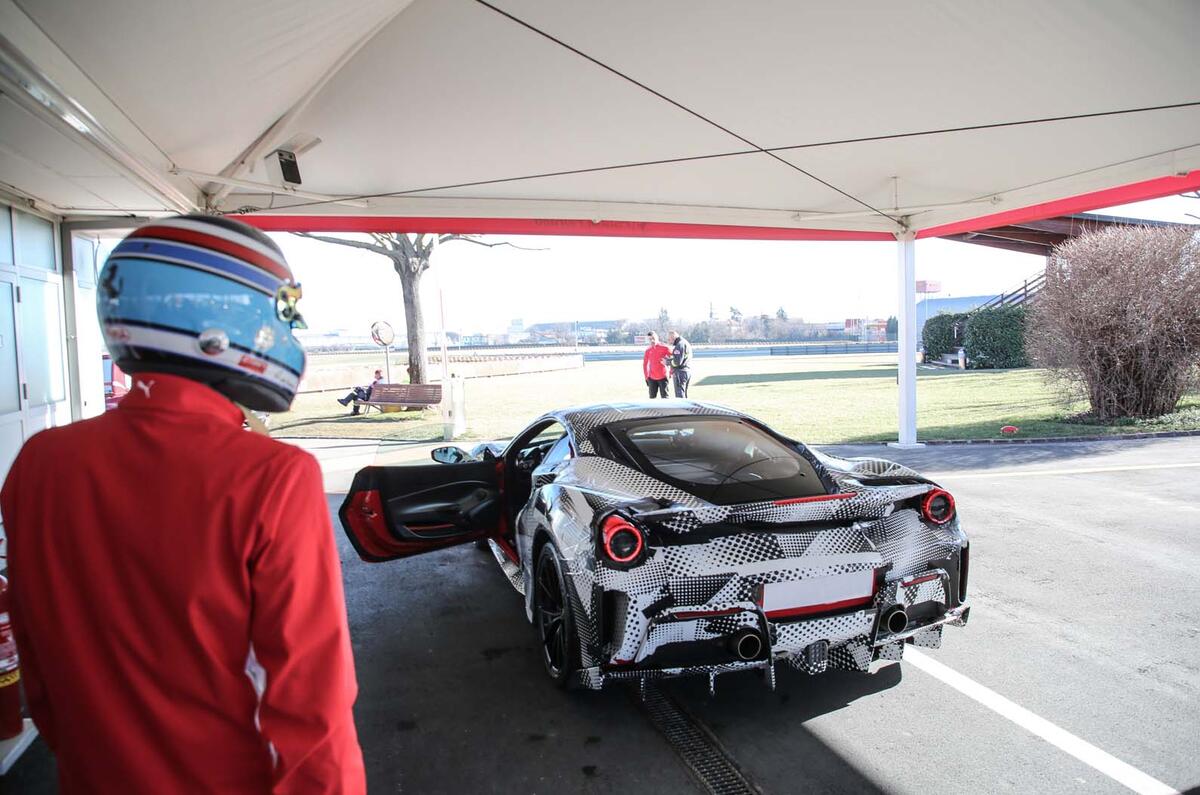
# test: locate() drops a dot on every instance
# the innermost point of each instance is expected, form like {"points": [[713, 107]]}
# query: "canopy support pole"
{"points": [[906, 273]]}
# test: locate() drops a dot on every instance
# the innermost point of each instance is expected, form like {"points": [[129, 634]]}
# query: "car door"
{"points": [[399, 511]]}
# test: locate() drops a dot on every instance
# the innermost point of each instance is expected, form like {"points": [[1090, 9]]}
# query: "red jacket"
{"points": [[160, 559], [652, 364]]}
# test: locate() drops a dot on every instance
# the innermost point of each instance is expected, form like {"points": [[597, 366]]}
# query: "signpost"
{"points": [[381, 332], [924, 288]]}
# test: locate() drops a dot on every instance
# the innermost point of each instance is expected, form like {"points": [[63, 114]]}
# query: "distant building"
{"points": [[866, 329], [932, 307], [588, 332]]}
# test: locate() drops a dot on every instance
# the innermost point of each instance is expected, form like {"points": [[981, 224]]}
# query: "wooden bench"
{"points": [[394, 397]]}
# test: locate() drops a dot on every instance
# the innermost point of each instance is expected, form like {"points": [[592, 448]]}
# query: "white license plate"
{"points": [[818, 594]]}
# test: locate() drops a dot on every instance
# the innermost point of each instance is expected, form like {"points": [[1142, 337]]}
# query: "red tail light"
{"points": [[623, 542], [937, 507]]}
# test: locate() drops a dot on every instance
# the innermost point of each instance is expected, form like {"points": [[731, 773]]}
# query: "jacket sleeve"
{"points": [[301, 640], [646, 362], [31, 675]]}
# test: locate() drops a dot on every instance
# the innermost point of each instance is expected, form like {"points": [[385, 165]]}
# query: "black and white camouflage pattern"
{"points": [[867, 532]]}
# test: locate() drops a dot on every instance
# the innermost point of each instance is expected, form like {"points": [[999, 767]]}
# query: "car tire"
{"points": [[553, 619]]}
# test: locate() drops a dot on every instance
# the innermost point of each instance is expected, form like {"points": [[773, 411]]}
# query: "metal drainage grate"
{"points": [[699, 750]]}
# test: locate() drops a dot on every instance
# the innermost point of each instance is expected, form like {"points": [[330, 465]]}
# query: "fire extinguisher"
{"points": [[11, 723]]}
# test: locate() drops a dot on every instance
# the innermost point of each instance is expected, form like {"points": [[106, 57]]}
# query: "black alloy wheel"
{"points": [[553, 618]]}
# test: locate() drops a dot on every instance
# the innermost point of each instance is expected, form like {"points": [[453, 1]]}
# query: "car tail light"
{"points": [[937, 507], [623, 542], [964, 560]]}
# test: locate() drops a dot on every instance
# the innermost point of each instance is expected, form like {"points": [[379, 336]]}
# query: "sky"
{"points": [[580, 278]]}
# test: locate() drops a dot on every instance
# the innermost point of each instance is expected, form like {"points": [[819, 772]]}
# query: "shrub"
{"points": [[1120, 317], [995, 338], [938, 336]]}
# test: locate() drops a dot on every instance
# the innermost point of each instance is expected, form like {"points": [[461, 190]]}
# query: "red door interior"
{"points": [[397, 512]]}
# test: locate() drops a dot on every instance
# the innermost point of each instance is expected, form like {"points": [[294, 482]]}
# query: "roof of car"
{"points": [[582, 420]]}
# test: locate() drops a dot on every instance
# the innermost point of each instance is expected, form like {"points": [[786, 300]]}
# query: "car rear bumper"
{"points": [[852, 640]]}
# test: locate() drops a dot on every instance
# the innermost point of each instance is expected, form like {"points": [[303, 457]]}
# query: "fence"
{"points": [[803, 349]]}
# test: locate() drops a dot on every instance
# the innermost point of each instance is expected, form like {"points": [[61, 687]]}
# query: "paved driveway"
{"points": [[1078, 672]]}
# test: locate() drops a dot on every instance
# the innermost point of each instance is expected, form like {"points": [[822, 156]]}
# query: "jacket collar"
{"points": [[172, 393]]}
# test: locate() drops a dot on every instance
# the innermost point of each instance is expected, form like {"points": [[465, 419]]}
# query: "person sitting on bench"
{"points": [[361, 392]]}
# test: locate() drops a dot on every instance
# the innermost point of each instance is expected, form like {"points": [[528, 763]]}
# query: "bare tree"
{"points": [[1120, 316], [410, 255], [1193, 195]]}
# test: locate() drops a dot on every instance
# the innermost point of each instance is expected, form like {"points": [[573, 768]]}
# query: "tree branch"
{"points": [[385, 239], [478, 242], [341, 241]]}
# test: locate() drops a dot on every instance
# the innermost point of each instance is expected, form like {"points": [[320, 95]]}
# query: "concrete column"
{"points": [[906, 274]]}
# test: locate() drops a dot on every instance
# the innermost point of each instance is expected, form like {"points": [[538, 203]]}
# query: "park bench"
{"points": [[393, 397]]}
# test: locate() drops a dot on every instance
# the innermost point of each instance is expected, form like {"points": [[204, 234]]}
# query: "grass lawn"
{"points": [[819, 399]]}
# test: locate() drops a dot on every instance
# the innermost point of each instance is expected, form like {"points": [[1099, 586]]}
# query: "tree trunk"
{"points": [[414, 322]]}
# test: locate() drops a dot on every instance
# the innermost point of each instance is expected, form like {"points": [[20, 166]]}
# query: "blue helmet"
{"points": [[206, 298]]}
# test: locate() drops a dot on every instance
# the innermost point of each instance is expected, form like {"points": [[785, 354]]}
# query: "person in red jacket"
{"points": [[654, 368], [176, 592]]}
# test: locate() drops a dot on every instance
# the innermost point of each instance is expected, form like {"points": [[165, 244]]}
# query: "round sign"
{"points": [[381, 332]]}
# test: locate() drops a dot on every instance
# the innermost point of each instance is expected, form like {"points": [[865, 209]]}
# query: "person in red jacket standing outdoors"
{"points": [[653, 366], [179, 613]]}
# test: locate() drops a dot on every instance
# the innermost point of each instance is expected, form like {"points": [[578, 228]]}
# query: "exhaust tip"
{"points": [[896, 620], [748, 645]]}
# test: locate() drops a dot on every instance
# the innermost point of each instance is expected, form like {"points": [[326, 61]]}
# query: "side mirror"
{"points": [[448, 455]]}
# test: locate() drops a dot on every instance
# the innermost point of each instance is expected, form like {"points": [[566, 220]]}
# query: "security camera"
{"points": [[283, 168]]}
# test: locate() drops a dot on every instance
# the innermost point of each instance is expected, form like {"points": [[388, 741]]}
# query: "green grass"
{"points": [[819, 399]]}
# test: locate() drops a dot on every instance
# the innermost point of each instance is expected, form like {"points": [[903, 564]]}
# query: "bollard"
{"points": [[454, 412]]}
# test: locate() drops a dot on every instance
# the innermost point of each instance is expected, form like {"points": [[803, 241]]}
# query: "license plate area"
{"points": [[816, 595]]}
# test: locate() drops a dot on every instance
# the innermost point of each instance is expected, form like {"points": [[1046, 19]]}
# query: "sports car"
{"points": [[675, 537]]}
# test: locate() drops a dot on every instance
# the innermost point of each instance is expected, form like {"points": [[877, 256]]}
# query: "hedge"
{"points": [[938, 335], [995, 338]]}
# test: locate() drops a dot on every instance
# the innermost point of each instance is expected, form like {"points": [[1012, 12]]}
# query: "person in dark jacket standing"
{"points": [[654, 366], [681, 363], [179, 615]]}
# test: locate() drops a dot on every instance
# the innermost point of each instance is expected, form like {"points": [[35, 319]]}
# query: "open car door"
{"points": [[399, 511]]}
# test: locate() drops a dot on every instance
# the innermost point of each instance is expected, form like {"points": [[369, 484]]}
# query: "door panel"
{"points": [[397, 512], [10, 378]]}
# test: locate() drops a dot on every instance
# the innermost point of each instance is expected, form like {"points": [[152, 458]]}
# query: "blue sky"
{"points": [[577, 278]]}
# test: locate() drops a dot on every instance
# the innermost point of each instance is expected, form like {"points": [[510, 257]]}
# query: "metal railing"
{"points": [[1024, 294]]}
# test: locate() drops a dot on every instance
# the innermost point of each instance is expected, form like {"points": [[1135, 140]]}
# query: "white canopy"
{"points": [[782, 118]]}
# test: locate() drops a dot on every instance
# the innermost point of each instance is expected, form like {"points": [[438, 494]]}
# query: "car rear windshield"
{"points": [[723, 460]]}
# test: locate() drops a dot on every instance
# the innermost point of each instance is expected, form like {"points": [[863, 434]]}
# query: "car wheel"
{"points": [[553, 619]]}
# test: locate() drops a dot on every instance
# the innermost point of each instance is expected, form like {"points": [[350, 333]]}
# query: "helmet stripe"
{"points": [[196, 258], [184, 344], [252, 256], [232, 235], [118, 326]]}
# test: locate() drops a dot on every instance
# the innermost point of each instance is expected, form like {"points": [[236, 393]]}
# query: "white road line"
{"points": [[1085, 752], [1019, 473]]}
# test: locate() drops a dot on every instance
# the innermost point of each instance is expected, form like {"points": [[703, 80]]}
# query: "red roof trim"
{"points": [[1125, 194], [545, 226]]}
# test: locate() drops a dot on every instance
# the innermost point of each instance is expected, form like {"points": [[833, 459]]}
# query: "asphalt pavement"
{"points": [[1078, 672]]}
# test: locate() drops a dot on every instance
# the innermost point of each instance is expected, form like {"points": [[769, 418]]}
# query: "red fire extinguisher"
{"points": [[11, 723]]}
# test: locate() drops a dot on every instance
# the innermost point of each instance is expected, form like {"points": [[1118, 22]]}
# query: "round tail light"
{"points": [[937, 507], [623, 542]]}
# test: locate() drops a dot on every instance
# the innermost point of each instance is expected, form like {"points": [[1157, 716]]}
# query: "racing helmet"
{"points": [[207, 298]]}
